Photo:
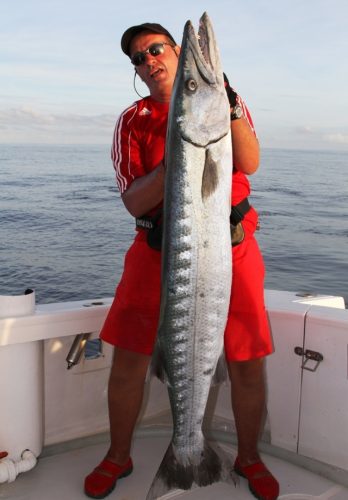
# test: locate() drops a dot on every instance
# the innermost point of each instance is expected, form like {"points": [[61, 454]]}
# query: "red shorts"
{"points": [[133, 317]]}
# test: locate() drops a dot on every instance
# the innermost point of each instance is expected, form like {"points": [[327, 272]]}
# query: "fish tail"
{"points": [[171, 475], [214, 466]]}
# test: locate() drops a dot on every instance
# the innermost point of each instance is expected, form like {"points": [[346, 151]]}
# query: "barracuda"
{"points": [[196, 262]]}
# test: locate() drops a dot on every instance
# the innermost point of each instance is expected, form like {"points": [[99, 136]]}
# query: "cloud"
{"points": [[24, 115], [25, 124], [306, 130], [337, 138], [305, 137], [329, 137]]}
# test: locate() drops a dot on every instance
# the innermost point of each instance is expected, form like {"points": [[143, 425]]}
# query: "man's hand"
{"points": [[231, 94]]}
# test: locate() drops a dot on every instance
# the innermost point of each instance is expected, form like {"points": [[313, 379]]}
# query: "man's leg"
{"points": [[248, 403], [125, 396]]}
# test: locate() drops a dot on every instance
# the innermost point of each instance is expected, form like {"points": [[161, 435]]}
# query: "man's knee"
{"points": [[128, 367], [247, 373]]}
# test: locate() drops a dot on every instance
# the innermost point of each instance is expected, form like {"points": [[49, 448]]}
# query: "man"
{"points": [[131, 325]]}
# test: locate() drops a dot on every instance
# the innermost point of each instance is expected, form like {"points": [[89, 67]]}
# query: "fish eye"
{"points": [[191, 85]]}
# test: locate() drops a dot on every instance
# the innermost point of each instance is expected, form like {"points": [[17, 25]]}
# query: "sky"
{"points": [[64, 78]]}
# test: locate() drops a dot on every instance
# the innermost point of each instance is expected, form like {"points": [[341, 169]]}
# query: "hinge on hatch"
{"points": [[308, 356]]}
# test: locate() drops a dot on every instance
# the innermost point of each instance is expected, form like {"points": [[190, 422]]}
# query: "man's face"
{"points": [[157, 71]]}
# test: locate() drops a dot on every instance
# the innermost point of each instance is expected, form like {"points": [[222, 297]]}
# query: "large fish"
{"points": [[197, 263]]}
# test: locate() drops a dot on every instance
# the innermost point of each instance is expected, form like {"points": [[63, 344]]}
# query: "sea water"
{"points": [[64, 230]]}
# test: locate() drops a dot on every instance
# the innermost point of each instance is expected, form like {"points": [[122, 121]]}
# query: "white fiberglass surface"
{"points": [[61, 476]]}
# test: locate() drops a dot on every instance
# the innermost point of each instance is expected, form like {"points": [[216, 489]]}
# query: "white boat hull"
{"points": [[307, 408]]}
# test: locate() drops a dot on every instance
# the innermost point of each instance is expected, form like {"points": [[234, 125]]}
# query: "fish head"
{"points": [[199, 102]]}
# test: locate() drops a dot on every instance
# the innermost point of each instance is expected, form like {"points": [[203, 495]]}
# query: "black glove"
{"points": [[231, 94]]}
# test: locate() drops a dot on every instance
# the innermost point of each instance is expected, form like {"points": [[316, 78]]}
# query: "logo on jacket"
{"points": [[144, 112]]}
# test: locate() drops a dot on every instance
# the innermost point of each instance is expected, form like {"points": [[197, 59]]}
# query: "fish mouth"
{"points": [[203, 38], [203, 47]]}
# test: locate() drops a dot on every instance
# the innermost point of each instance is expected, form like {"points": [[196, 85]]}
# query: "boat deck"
{"points": [[61, 469]]}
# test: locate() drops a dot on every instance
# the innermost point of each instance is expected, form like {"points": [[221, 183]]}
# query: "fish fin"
{"points": [[227, 473], [210, 176], [171, 475], [215, 465], [220, 374]]}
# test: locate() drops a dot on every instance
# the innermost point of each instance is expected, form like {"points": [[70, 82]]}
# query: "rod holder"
{"points": [[76, 349]]}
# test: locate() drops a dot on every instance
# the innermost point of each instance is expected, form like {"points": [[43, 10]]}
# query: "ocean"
{"points": [[64, 230]]}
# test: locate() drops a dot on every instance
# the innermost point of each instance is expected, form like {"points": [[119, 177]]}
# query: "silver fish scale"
{"points": [[180, 316], [195, 301]]}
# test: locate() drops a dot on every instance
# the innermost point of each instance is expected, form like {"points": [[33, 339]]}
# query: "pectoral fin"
{"points": [[210, 177]]}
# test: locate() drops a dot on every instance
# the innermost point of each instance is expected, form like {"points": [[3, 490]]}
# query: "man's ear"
{"points": [[177, 50]]}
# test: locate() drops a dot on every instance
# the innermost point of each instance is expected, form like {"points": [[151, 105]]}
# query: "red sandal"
{"points": [[262, 484], [102, 481]]}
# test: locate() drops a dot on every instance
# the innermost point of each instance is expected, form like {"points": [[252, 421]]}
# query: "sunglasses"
{"points": [[154, 50]]}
